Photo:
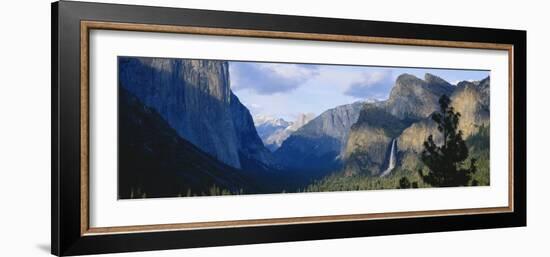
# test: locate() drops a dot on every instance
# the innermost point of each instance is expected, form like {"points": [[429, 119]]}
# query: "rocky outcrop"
{"points": [[411, 142], [318, 144], [195, 99], [413, 137], [414, 98], [405, 116], [369, 141], [471, 100]]}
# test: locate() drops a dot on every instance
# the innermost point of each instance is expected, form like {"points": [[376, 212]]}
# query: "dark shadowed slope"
{"points": [[316, 147], [154, 161]]}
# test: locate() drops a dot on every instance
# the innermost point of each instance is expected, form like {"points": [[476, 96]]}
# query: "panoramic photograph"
{"points": [[198, 127]]}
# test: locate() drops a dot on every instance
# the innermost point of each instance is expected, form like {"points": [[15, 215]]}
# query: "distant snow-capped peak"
{"points": [[272, 121], [300, 121], [273, 131]]}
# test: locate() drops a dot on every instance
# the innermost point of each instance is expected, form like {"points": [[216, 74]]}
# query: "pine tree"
{"points": [[445, 162], [404, 183]]}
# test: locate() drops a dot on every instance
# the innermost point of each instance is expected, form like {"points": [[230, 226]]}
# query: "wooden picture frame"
{"points": [[71, 26]]}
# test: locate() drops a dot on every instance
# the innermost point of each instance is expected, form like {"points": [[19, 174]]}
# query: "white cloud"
{"points": [[371, 85], [297, 72], [270, 78]]}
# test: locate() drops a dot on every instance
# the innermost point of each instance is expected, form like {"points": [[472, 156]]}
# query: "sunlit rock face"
{"points": [[369, 141], [471, 100], [406, 117]]}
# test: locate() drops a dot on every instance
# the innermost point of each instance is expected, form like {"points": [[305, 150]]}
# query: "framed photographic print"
{"points": [[177, 128]]}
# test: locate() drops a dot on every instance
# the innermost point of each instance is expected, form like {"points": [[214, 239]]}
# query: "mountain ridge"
{"points": [[318, 144], [181, 113], [274, 131], [405, 116]]}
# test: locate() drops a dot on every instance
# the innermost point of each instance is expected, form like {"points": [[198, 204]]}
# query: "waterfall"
{"points": [[392, 160]]}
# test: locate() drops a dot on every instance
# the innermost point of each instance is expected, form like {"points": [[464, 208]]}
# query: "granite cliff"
{"points": [[194, 97], [155, 161], [405, 116], [317, 145]]}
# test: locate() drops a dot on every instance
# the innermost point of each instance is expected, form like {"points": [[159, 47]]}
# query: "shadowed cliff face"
{"points": [[252, 153], [406, 116], [317, 145], [154, 161], [195, 99]]}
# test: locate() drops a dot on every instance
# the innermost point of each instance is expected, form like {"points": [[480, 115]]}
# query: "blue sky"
{"points": [[286, 90]]}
